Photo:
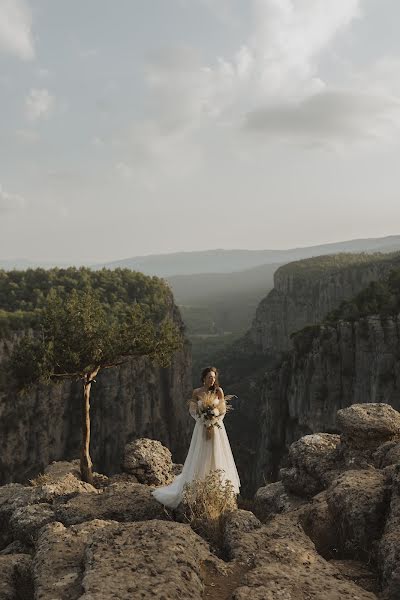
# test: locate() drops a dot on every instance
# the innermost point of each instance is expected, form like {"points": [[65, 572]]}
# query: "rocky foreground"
{"points": [[328, 529]]}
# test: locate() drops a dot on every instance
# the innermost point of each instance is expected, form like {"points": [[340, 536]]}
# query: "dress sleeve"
{"points": [[193, 408], [222, 410]]}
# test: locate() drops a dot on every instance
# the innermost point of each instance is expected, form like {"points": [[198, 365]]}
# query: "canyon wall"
{"points": [[305, 291], [137, 399], [330, 367]]}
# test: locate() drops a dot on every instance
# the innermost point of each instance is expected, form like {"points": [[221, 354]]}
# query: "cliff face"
{"points": [[303, 294], [137, 399], [331, 367]]}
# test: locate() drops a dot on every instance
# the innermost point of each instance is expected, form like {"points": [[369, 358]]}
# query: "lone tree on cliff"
{"points": [[79, 336]]}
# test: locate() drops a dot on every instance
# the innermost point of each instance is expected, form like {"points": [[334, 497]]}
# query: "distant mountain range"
{"points": [[229, 261], [22, 264], [219, 260]]}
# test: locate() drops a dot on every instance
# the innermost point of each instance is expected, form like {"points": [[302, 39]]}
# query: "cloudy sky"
{"points": [[148, 126]]}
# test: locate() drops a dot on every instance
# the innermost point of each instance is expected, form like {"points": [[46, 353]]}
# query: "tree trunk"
{"points": [[86, 462]]}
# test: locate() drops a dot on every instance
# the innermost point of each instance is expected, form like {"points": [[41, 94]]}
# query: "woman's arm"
{"points": [[193, 406], [222, 404]]}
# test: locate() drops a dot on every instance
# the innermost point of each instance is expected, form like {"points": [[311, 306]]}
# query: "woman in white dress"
{"points": [[206, 452]]}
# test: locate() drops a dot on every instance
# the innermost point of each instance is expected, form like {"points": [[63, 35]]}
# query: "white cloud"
{"points": [[328, 117], [16, 29], [124, 170], [27, 136], [38, 104], [278, 63], [200, 114], [10, 203]]}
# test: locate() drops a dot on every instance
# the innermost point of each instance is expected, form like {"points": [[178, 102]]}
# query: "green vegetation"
{"points": [[78, 331], [206, 350], [27, 290], [23, 294], [312, 268], [206, 504], [379, 298], [213, 303]]}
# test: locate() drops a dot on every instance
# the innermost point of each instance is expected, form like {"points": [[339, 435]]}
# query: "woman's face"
{"points": [[209, 379]]}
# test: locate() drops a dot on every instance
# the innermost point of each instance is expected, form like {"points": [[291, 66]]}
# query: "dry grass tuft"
{"points": [[206, 504], [40, 479]]}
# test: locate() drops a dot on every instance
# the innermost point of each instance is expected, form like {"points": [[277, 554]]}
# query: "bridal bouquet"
{"points": [[209, 412]]}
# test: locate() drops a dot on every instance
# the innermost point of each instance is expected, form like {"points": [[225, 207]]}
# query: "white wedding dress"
{"points": [[204, 455]]}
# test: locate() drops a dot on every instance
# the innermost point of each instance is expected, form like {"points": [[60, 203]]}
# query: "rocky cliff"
{"points": [[305, 291], [282, 396], [133, 400], [330, 528], [330, 367]]}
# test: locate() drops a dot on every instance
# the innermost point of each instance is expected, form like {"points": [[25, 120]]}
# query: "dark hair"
{"points": [[207, 370]]}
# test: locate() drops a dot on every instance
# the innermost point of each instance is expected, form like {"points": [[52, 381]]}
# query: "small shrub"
{"points": [[40, 479], [206, 504]]}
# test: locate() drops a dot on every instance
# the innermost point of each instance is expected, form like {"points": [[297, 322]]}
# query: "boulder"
{"points": [[387, 454], [12, 497], [273, 499], [16, 577], [236, 524], [106, 559], [389, 545], [152, 559], [122, 478], [26, 521], [286, 566], [149, 461], [313, 464], [358, 501], [57, 566], [364, 428], [119, 501], [16, 547], [373, 422], [319, 524], [25, 509], [359, 573]]}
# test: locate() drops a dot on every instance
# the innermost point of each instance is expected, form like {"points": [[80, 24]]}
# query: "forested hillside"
{"points": [[23, 293]]}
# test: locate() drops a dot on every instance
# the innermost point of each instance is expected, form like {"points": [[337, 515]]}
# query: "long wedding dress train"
{"points": [[204, 455]]}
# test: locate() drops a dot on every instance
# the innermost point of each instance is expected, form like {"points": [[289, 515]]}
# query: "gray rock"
{"points": [[320, 526], [286, 566], [238, 523], [154, 559], [273, 499], [387, 454], [149, 461], [389, 545], [367, 431], [314, 464], [16, 547], [26, 521], [57, 567], [12, 497], [119, 501], [122, 478], [358, 502], [376, 422], [16, 577]]}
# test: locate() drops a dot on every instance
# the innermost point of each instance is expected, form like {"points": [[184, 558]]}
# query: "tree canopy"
{"points": [[379, 298], [23, 294]]}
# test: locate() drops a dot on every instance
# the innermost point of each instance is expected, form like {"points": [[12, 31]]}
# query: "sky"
{"points": [[141, 127]]}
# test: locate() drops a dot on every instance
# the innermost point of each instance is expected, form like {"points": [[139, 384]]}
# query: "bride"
{"points": [[206, 453]]}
